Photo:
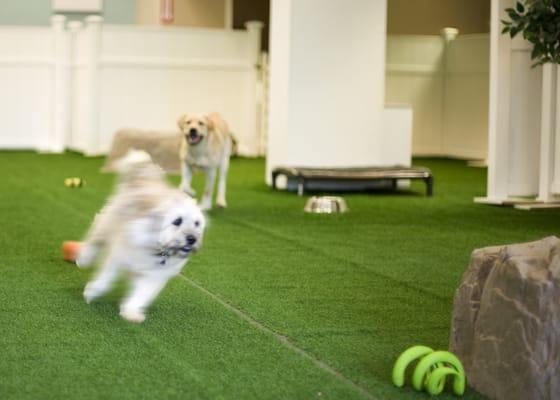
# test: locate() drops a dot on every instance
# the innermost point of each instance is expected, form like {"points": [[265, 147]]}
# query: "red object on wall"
{"points": [[166, 11]]}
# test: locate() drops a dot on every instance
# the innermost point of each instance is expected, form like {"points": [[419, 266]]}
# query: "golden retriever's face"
{"points": [[194, 127]]}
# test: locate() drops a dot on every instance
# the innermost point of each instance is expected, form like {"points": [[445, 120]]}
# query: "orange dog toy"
{"points": [[70, 250]]}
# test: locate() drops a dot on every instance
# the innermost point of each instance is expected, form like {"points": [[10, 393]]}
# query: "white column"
{"points": [[555, 186], [61, 85], [327, 77], [91, 91], [251, 145], [548, 131], [498, 124]]}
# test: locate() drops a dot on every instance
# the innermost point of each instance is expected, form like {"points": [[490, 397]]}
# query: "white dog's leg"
{"points": [[224, 166], [144, 291], [103, 281], [186, 178], [206, 202]]}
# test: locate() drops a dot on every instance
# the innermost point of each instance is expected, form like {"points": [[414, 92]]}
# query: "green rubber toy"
{"points": [[406, 358], [439, 357], [431, 371]]}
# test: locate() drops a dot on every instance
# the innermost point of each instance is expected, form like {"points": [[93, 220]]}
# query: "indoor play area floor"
{"points": [[278, 304]]}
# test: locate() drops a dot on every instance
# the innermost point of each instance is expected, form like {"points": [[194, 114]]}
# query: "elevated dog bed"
{"points": [[163, 147], [350, 179]]}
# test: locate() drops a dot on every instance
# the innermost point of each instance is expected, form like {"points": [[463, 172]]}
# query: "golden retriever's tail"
{"points": [[234, 145]]}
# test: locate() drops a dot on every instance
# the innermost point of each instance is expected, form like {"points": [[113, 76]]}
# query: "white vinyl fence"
{"points": [[74, 85]]}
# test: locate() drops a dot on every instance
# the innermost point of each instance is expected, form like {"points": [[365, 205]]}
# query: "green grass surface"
{"points": [[351, 290]]}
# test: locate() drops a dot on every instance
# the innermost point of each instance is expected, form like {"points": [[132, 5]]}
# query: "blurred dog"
{"points": [[207, 145], [146, 231]]}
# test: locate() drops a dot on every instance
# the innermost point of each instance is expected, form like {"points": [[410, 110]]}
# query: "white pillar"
{"points": [[61, 85], [548, 132], [327, 76], [91, 91], [250, 146], [556, 175], [498, 124]]}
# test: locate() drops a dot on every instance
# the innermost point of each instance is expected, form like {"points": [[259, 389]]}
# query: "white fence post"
{"points": [[91, 90], [254, 29], [74, 27], [60, 86], [262, 113]]}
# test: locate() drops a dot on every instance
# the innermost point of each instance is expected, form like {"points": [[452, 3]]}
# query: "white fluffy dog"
{"points": [[146, 231], [207, 145]]}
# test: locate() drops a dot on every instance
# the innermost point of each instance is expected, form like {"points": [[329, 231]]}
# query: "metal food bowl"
{"points": [[326, 205]]}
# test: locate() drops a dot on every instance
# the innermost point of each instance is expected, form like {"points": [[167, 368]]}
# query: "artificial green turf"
{"points": [[352, 290]]}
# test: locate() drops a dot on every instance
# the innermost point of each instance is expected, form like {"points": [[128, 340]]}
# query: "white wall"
{"points": [[447, 87], [326, 82], [76, 87]]}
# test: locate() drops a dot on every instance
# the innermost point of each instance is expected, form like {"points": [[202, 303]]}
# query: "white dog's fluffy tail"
{"points": [[137, 164], [131, 159]]}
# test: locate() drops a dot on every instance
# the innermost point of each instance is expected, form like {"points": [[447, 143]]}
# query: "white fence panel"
{"points": [[26, 79], [146, 77]]}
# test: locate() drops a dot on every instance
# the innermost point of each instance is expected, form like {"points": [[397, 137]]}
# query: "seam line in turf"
{"points": [[283, 339]]}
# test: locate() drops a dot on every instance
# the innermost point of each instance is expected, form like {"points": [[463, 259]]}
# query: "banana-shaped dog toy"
{"points": [[431, 371]]}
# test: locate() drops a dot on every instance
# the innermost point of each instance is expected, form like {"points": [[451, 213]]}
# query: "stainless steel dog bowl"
{"points": [[326, 205]]}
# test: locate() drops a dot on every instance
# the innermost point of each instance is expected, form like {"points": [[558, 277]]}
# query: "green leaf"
{"points": [[520, 8]]}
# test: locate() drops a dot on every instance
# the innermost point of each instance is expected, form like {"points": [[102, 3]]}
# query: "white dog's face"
{"points": [[194, 128], [182, 226]]}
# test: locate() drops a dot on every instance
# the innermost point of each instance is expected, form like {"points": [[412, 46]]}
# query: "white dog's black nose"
{"points": [[191, 240], [193, 132]]}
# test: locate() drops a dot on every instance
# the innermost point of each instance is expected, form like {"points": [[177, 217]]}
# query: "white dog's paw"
{"points": [[221, 203], [135, 316], [90, 292], [86, 256]]}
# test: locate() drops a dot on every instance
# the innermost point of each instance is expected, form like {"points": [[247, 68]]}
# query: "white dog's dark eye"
{"points": [[200, 123], [197, 223], [178, 221], [189, 122]]}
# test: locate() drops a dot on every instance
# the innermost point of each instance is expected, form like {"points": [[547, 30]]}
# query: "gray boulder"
{"points": [[506, 321]]}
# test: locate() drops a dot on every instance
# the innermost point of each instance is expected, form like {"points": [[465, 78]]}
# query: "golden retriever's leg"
{"points": [[206, 201], [224, 167], [186, 178]]}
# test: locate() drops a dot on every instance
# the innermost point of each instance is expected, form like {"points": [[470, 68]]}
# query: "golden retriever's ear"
{"points": [[210, 121], [182, 121]]}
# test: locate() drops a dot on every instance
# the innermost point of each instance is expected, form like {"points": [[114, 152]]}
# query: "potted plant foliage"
{"points": [[539, 22]]}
